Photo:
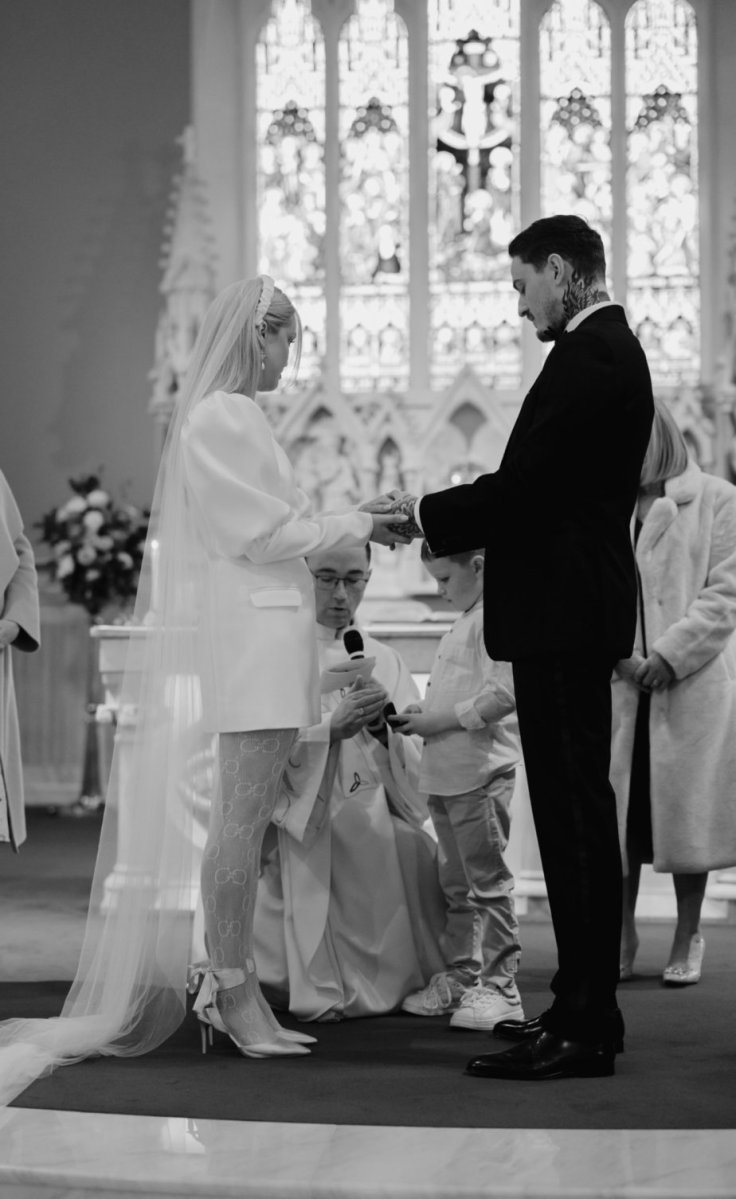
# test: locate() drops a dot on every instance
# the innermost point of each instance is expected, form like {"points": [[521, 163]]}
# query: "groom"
{"points": [[560, 605]]}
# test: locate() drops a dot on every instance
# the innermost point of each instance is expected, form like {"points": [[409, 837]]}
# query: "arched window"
{"points": [[376, 156], [290, 157], [374, 188], [474, 76], [476, 60], [575, 113], [662, 186]]}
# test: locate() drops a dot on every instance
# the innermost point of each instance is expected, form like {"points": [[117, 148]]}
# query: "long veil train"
{"points": [[129, 992]]}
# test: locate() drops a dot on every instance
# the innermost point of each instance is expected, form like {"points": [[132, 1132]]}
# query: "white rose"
{"points": [[103, 543], [91, 575], [93, 521], [61, 548], [75, 505], [125, 560], [98, 498], [86, 555], [65, 567]]}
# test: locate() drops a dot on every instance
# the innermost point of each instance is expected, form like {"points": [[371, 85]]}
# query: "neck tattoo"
{"points": [[580, 294]]}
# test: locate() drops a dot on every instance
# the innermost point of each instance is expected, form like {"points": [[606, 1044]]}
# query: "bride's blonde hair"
{"points": [[229, 348]]}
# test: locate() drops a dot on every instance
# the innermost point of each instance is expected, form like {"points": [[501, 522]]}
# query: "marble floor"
{"points": [[65, 1155]]}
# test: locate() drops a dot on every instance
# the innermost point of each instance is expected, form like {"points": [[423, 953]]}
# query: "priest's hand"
{"points": [[363, 705]]}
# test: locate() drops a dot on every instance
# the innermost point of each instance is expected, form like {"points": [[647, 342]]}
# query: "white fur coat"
{"points": [[686, 556]]}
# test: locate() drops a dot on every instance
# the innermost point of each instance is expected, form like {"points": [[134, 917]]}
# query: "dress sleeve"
{"points": [[243, 488]]}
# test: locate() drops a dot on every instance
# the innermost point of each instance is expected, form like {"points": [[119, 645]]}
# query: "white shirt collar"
{"points": [[326, 634], [580, 316]]}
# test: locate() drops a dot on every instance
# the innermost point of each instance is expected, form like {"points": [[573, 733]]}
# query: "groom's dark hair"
{"points": [[569, 236]]}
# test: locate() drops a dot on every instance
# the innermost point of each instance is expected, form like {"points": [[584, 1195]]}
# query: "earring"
{"points": [[263, 363]]}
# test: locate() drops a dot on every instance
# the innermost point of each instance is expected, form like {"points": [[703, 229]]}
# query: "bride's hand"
{"points": [[382, 503]]}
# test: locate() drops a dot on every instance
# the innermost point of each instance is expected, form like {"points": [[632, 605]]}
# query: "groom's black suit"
{"points": [[560, 604]]}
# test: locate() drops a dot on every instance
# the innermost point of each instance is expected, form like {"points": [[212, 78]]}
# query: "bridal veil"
{"points": [[129, 992]]}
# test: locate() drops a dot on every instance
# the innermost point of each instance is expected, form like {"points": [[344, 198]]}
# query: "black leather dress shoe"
{"points": [[546, 1056], [518, 1030], [522, 1030]]}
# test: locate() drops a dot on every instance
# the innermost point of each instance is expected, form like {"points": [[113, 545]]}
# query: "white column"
{"points": [[617, 272], [216, 116], [415, 17]]}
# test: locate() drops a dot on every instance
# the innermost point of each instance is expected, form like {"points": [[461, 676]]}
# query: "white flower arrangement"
{"points": [[97, 546]]}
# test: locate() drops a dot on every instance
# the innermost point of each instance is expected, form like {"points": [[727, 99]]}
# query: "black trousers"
{"points": [[564, 709]]}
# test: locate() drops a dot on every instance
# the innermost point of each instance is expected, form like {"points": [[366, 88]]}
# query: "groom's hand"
{"points": [[404, 505], [388, 528]]}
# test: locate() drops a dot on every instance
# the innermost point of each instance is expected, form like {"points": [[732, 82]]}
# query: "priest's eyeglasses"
{"points": [[329, 582]]}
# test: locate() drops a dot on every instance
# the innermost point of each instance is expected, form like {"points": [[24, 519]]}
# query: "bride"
{"points": [[228, 658]]}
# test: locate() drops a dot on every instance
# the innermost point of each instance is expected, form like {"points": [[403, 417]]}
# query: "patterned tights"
{"points": [[251, 766]]}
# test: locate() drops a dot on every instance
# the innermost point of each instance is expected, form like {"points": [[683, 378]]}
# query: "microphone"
{"points": [[353, 643], [354, 648]]}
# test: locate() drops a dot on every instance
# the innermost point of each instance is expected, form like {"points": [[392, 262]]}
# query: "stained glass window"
{"points": [[290, 100], [458, 295], [575, 113], [374, 193], [662, 111], [474, 145]]}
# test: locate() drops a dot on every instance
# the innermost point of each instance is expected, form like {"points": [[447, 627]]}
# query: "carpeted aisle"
{"points": [[679, 1070]]}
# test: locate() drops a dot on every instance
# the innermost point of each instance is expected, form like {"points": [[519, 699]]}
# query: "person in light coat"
{"points": [[19, 627], [673, 759], [349, 912]]}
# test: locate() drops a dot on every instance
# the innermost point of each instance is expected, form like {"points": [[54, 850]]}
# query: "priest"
{"points": [[349, 911]]}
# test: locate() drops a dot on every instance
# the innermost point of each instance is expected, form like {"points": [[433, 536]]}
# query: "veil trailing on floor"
{"points": [[129, 992]]}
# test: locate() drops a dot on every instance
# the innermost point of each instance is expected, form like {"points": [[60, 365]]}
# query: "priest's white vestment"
{"points": [[349, 910]]}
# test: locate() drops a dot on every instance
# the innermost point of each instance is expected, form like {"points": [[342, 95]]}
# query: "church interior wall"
{"points": [[94, 94], [99, 92]]}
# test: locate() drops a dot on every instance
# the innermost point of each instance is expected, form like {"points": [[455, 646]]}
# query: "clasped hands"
{"points": [[653, 673], [393, 518]]}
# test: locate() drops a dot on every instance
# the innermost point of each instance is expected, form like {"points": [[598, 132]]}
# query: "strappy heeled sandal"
{"points": [[208, 983]]}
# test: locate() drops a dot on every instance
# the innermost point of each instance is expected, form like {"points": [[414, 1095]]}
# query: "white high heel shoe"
{"points": [[199, 982], [684, 976], [209, 1017]]}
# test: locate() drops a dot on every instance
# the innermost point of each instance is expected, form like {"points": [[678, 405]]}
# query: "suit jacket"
{"points": [[554, 518]]}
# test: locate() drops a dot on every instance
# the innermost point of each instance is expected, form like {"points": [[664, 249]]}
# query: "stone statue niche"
{"points": [[323, 461]]}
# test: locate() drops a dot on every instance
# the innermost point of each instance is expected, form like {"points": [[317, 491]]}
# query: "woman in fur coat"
{"points": [[19, 627], [673, 760]]}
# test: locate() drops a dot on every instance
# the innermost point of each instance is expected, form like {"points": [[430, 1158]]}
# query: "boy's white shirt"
{"points": [[481, 691]]}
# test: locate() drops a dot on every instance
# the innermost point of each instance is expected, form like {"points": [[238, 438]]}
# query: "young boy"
{"points": [[471, 750]]}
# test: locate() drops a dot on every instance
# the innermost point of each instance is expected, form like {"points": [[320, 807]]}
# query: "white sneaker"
{"points": [[442, 994], [483, 1007]]}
